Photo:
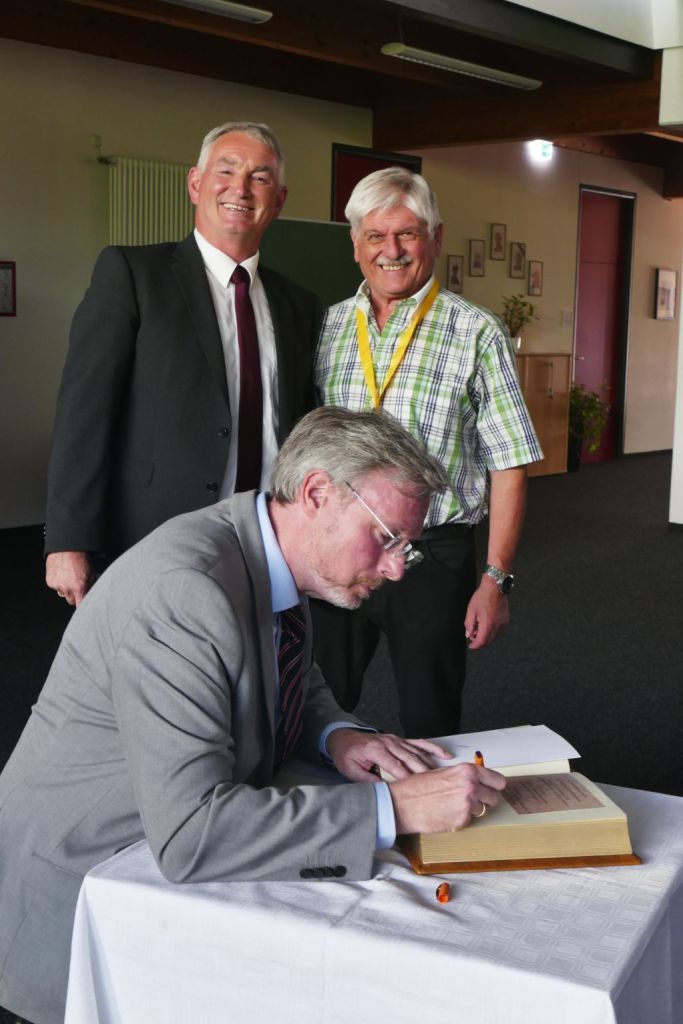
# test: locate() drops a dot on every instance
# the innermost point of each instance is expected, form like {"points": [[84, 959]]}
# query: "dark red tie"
{"points": [[289, 658], [250, 423]]}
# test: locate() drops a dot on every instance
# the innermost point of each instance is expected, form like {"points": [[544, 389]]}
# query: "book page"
{"points": [[534, 794]]}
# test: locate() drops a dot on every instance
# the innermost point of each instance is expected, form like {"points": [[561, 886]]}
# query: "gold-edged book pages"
{"points": [[542, 821]]}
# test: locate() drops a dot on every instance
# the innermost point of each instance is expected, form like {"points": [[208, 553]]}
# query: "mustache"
{"points": [[400, 261], [374, 582]]}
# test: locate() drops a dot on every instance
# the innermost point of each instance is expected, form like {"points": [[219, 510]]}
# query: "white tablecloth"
{"points": [[588, 946]]}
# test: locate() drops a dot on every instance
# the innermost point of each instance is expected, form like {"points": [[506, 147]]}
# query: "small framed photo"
{"points": [[665, 294], [476, 257], [535, 286], [497, 242], [517, 259], [8, 288], [454, 270]]}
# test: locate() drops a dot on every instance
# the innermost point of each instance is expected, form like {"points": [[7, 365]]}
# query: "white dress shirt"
{"points": [[219, 269]]}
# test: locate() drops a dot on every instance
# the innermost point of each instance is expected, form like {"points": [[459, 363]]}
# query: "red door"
{"points": [[600, 306]]}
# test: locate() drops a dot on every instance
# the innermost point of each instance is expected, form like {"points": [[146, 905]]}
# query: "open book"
{"points": [[547, 816]]}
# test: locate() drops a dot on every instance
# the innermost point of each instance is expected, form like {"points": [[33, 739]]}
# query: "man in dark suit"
{"points": [[149, 406]]}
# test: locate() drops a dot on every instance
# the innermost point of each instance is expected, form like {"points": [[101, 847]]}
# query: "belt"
{"points": [[446, 530]]}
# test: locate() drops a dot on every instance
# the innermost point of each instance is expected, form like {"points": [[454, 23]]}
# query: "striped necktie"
{"points": [[289, 658]]}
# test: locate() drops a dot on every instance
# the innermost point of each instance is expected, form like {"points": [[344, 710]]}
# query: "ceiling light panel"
{"points": [[460, 67]]}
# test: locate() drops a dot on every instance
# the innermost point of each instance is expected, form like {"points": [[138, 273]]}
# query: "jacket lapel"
{"points": [[190, 273]]}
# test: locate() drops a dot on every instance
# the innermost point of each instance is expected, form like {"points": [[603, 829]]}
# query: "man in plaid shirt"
{"points": [[446, 370]]}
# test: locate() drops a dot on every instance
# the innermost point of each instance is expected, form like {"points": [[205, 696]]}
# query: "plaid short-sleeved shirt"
{"points": [[456, 389]]}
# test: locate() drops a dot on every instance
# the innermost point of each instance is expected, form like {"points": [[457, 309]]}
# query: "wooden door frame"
{"points": [[624, 301]]}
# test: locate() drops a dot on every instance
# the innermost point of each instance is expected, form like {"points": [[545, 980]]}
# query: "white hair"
{"points": [[393, 186], [347, 446], [261, 132]]}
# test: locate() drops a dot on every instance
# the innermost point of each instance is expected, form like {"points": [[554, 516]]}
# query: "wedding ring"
{"points": [[60, 593], [482, 812]]}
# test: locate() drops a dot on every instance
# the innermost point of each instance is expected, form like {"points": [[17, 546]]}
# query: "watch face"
{"points": [[507, 584]]}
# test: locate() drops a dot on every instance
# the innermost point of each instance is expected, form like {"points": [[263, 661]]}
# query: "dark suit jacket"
{"points": [[157, 721], [143, 421]]}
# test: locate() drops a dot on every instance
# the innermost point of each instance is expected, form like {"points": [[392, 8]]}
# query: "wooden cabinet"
{"points": [[545, 380]]}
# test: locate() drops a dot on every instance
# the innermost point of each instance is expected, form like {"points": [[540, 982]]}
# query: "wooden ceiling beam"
{"points": [[642, 149], [324, 32], [616, 108], [514, 25]]}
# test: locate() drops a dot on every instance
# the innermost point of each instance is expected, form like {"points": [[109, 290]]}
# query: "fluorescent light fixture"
{"points": [[227, 9], [540, 150], [460, 67]]}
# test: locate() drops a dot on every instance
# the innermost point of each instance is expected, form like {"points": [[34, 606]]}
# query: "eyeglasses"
{"points": [[394, 546]]}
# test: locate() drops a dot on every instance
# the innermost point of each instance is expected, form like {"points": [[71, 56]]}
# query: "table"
{"points": [[580, 946]]}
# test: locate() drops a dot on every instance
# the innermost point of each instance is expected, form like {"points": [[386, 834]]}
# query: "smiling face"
{"points": [[347, 559], [236, 194], [395, 252]]}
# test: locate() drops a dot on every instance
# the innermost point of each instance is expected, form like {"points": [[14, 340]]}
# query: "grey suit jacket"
{"points": [[156, 721], [143, 420]]}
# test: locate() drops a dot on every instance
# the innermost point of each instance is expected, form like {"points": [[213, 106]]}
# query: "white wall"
{"points": [[53, 206], [653, 23], [482, 184], [676, 503]]}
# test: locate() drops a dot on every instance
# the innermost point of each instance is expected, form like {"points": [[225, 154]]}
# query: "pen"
{"points": [[478, 758], [443, 892]]}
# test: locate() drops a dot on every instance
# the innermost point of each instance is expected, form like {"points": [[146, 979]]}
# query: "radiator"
{"points": [[148, 202]]}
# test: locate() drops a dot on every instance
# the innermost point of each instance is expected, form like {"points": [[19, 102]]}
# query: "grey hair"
{"points": [[347, 446], [393, 186], [261, 132]]}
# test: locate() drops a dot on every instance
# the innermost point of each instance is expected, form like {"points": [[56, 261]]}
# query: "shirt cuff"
{"points": [[329, 729], [386, 820]]}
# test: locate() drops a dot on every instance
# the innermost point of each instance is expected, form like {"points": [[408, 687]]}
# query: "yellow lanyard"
{"points": [[401, 345]]}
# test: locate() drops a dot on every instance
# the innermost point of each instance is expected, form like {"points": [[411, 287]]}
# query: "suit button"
{"points": [[212, 486], [305, 872], [339, 871], [328, 872], [318, 872], [224, 432]]}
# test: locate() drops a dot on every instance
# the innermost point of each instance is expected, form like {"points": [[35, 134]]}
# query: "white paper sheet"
{"points": [[520, 745]]}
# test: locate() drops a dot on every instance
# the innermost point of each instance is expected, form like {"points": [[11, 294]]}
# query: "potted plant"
{"points": [[517, 313], [587, 419]]}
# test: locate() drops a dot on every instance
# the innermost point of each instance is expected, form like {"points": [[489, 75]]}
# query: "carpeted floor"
{"points": [[594, 649]]}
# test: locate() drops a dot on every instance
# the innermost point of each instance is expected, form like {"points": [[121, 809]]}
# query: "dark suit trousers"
{"points": [[423, 619]]}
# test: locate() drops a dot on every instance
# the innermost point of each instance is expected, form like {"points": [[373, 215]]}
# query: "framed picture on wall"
{"points": [[8, 288], [351, 163], [517, 259], [454, 274], [535, 286], [476, 257], [497, 242], [665, 294]]}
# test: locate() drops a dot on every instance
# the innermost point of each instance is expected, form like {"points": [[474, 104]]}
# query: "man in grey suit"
{"points": [[164, 714], [147, 415]]}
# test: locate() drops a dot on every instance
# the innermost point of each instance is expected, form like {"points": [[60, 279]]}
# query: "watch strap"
{"points": [[505, 581]]}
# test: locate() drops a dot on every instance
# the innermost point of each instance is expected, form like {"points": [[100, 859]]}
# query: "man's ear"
{"points": [[356, 251], [315, 491], [193, 179]]}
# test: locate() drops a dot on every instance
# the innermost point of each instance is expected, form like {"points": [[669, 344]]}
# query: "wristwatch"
{"points": [[503, 580]]}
